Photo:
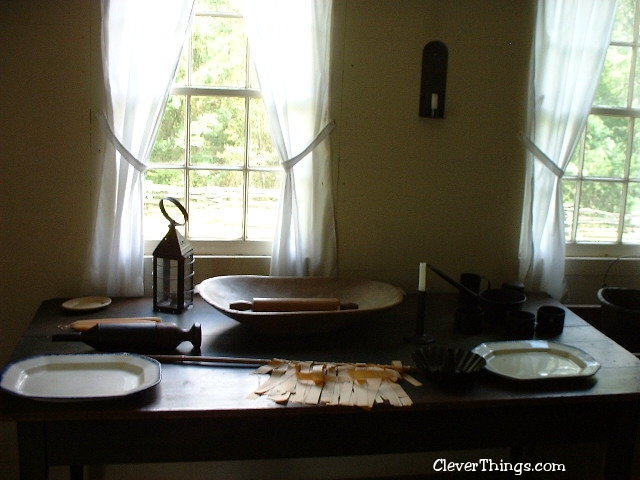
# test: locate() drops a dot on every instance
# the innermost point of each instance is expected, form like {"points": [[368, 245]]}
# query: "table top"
{"points": [[192, 391]]}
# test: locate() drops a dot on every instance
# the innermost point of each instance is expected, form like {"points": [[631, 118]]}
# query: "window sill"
{"points": [[600, 250], [207, 266]]}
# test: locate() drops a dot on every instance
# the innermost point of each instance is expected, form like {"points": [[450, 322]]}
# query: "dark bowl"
{"points": [[620, 315], [496, 302]]}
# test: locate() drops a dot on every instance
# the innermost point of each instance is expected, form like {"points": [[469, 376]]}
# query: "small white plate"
{"points": [[86, 303], [74, 377], [536, 360]]}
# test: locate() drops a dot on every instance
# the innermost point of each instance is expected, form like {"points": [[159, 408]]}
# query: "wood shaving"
{"points": [[350, 384]]}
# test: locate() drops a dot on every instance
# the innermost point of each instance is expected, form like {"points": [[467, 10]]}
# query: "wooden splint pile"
{"points": [[353, 384]]}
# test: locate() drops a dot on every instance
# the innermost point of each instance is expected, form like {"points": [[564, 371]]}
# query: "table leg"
{"points": [[76, 472], [32, 451], [621, 446]]}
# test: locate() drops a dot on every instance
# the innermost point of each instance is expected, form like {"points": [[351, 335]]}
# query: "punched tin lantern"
{"points": [[173, 267]]}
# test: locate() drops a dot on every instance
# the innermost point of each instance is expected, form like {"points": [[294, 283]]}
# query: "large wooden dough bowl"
{"points": [[369, 295]]}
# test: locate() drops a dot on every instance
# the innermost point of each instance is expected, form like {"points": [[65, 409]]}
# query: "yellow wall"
{"points": [[45, 152], [445, 191]]}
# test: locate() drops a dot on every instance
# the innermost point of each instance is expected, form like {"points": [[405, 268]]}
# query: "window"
{"points": [[601, 185], [213, 151]]}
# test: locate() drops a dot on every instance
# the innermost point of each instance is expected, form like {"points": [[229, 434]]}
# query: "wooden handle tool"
{"points": [[84, 325]]}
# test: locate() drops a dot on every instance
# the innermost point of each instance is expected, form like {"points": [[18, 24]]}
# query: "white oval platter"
{"points": [[73, 377], [536, 360]]}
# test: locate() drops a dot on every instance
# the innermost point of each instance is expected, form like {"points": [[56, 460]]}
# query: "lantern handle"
{"points": [[180, 207]]}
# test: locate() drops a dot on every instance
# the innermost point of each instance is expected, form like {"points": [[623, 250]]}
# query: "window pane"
{"points": [[631, 231], [634, 165], [183, 65], [253, 77], [160, 183], [605, 146], [599, 212], [614, 81], [261, 150], [636, 85], [573, 167], [220, 5], [216, 204], [623, 26], [219, 52], [217, 131], [568, 201], [264, 191], [170, 142]]}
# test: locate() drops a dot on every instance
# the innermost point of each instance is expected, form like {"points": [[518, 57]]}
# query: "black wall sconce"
{"points": [[433, 86]]}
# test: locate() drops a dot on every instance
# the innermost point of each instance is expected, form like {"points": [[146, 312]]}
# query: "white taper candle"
{"points": [[422, 277]]}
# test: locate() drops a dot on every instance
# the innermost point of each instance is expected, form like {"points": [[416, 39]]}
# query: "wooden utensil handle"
{"points": [[288, 304], [84, 325]]}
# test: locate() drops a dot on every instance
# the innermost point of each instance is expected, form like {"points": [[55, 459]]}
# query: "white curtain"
{"points": [[570, 44], [290, 44], [141, 45]]}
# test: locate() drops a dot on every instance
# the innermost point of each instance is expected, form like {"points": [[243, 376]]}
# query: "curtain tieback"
{"points": [[291, 162], [112, 137], [543, 157]]}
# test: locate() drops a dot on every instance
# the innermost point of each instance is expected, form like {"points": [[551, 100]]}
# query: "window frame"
{"points": [[632, 115], [218, 247]]}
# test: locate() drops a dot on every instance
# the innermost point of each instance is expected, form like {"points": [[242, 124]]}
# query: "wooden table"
{"points": [[200, 413]]}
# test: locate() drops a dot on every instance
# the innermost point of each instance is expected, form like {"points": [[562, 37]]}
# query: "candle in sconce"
{"points": [[422, 277], [434, 101]]}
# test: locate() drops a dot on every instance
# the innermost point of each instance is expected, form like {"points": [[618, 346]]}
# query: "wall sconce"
{"points": [[433, 85]]}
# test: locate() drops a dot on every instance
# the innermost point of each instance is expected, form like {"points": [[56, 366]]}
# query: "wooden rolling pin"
{"points": [[292, 305], [149, 337], [84, 325]]}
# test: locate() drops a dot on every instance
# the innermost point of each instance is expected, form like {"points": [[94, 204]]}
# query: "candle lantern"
{"points": [[173, 267]]}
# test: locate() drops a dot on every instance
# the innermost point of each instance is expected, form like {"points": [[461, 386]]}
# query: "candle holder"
{"points": [[419, 337]]}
